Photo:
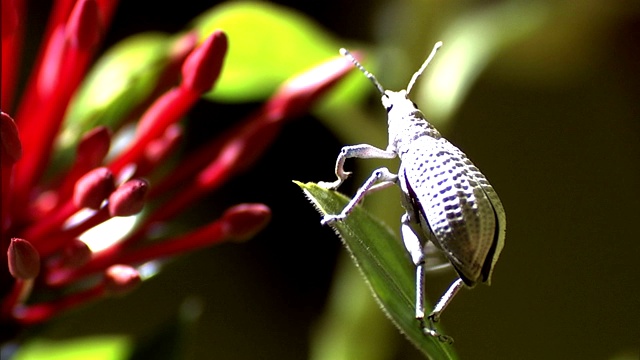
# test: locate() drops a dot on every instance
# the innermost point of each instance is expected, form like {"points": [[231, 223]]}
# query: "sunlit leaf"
{"points": [[267, 44]]}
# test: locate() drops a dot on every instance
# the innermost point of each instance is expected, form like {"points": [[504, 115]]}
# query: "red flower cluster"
{"points": [[39, 218]]}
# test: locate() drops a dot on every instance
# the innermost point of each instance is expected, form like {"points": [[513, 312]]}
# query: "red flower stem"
{"points": [[63, 65], [193, 163], [50, 224], [208, 235], [199, 72], [38, 313], [237, 223], [57, 240], [58, 17], [249, 141], [245, 143], [244, 146], [171, 75], [13, 21], [237, 148], [165, 111], [90, 153], [159, 150], [211, 234], [258, 131], [6, 172], [237, 153], [37, 123], [20, 287], [37, 146], [10, 153]]}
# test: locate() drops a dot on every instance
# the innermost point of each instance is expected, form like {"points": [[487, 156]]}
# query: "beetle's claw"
{"points": [[441, 337], [431, 330], [331, 219]]}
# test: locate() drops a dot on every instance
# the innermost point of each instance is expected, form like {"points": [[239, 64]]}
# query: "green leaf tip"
{"points": [[383, 261]]}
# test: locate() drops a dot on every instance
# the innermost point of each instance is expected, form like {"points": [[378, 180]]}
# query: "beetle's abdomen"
{"points": [[450, 197]]}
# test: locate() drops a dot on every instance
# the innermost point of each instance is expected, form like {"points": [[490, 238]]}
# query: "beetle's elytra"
{"points": [[448, 202]]}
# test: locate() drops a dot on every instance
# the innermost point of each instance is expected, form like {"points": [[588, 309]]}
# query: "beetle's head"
{"points": [[398, 101]]}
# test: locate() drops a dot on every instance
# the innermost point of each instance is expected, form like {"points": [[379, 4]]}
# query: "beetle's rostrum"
{"points": [[448, 202]]}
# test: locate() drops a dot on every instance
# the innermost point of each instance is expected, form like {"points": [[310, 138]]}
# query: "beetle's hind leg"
{"points": [[434, 259], [415, 248], [434, 316]]}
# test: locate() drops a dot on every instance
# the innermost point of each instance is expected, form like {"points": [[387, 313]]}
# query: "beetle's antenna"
{"points": [[369, 75], [415, 77]]}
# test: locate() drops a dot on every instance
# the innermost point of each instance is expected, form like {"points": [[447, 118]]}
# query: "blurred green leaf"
{"points": [[93, 347], [469, 45], [384, 263], [267, 45], [124, 77]]}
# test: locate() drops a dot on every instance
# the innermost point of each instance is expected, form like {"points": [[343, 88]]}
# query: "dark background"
{"points": [[559, 141]]}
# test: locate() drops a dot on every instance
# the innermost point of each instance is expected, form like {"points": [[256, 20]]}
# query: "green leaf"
{"points": [[383, 261], [470, 44], [124, 75], [121, 80], [267, 45], [105, 347]]}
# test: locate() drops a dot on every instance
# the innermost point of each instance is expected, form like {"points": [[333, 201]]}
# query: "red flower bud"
{"points": [[297, 94], [92, 188], [24, 260], [202, 67], [128, 199], [76, 254], [94, 146], [244, 221], [11, 145], [84, 27]]}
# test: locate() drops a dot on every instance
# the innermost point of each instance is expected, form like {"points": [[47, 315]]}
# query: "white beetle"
{"points": [[448, 201]]}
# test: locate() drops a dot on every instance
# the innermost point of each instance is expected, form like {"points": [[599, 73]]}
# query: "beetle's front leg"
{"points": [[362, 151], [380, 178]]}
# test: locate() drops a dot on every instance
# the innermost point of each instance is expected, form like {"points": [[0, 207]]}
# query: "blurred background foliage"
{"points": [[542, 96]]}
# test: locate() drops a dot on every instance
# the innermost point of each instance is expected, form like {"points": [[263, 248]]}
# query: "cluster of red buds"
{"points": [[43, 218]]}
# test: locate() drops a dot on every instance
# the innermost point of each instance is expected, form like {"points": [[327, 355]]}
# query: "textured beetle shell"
{"points": [[447, 196]]}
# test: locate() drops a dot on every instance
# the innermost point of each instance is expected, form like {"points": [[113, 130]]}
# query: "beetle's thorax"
{"points": [[406, 121]]}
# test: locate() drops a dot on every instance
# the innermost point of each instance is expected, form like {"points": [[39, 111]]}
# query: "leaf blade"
{"points": [[382, 260]]}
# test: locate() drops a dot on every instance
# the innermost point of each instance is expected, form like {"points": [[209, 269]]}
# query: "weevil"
{"points": [[448, 202]]}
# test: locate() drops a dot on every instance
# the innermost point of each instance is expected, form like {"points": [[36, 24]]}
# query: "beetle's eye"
{"points": [[386, 102]]}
